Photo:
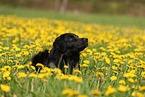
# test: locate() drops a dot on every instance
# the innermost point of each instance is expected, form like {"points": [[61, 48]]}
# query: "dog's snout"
{"points": [[85, 39]]}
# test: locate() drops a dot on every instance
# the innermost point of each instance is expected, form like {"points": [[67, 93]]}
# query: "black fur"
{"points": [[66, 50]]}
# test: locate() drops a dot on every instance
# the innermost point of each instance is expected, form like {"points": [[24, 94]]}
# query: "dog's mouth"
{"points": [[86, 44], [83, 44], [85, 41]]}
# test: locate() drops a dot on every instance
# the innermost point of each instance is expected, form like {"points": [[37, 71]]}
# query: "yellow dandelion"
{"points": [[84, 65], [65, 77], [135, 87], [77, 71], [6, 74], [33, 67], [21, 75], [99, 74], [5, 88], [79, 80], [113, 78], [65, 66], [58, 71], [17, 49], [5, 48], [94, 92], [122, 88], [82, 96], [15, 66], [84, 54], [86, 61], [73, 93], [94, 50], [142, 88], [131, 80], [40, 75], [110, 90], [7, 68], [18, 55], [32, 75], [20, 66], [122, 82], [10, 61], [40, 65], [114, 67], [107, 60], [138, 94], [43, 71], [143, 73], [9, 78], [66, 91], [129, 75]]}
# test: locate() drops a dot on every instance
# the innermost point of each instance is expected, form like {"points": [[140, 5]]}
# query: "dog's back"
{"points": [[41, 57]]}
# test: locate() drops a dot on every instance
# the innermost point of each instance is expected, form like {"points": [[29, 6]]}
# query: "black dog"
{"points": [[66, 50]]}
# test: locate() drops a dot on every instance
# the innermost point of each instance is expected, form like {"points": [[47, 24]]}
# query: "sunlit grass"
{"points": [[112, 65]]}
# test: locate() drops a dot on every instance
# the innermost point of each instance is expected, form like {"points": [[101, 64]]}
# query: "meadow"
{"points": [[112, 65]]}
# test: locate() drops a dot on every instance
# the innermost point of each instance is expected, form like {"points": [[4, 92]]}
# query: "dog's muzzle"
{"points": [[85, 41]]}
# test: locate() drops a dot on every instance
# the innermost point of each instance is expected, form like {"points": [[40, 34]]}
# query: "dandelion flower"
{"points": [[20, 66], [5, 88], [84, 54], [122, 88], [5, 48], [40, 75], [65, 66], [99, 74], [66, 91], [107, 60], [110, 90], [94, 92], [65, 77], [77, 71], [82, 96], [142, 88], [113, 78], [86, 61], [21, 75], [138, 94], [79, 80], [6, 74], [32, 75], [39, 65], [33, 67], [84, 65], [73, 93], [131, 80], [122, 82]]}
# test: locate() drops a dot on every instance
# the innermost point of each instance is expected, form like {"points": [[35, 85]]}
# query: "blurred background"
{"points": [[130, 7], [104, 12]]}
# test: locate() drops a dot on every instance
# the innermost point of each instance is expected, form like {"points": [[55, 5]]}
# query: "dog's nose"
{"points": [[86, 39]]}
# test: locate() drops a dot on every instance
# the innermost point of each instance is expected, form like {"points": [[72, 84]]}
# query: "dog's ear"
{"points": [[59, 44]]}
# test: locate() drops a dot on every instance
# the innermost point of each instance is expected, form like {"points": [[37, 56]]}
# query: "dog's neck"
{"points": [[55, 53]]}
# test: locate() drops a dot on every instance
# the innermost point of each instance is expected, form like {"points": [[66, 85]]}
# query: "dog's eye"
{"points": [[71, 38]]}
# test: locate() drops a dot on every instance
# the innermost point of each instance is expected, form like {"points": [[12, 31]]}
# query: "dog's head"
{"points": [[69, 43]]}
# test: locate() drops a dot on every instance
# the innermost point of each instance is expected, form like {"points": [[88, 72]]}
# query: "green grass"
{"points": [[113, 51], [104, 19]]}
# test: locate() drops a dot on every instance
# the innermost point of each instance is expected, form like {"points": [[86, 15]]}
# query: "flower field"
{"points": [[112, 65]]}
